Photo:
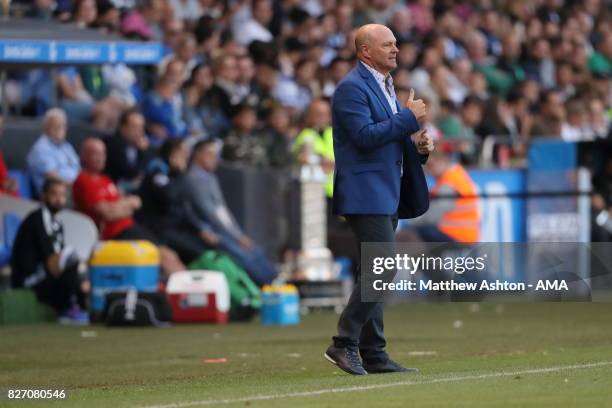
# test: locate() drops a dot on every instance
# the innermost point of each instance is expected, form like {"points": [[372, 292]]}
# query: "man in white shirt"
{"points": [[52, 156]]}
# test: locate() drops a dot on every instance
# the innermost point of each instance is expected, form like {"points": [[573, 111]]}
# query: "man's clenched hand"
{"points": [[423, 141]]}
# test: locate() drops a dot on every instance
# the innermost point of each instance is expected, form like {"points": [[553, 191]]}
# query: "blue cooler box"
{"points": [[117, 266], [280, 305]]}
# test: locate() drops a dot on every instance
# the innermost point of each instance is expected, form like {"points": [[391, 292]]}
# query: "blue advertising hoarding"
{"points": [[79, 52]]}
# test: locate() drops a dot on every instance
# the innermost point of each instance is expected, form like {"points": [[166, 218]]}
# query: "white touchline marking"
{"points": [[378, 386]]}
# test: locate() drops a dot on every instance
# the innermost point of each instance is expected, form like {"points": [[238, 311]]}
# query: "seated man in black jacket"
{"points": [[128, 151], [162, 195], [42, 262]]}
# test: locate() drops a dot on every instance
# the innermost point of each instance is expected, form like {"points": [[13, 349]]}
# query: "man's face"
{"points": [[56, 128], [94, 158], [87, 11], [554, 104], [382, 50], [279, 120], [320, 114], [471, 115], [179, 158], [134, 129], [55, 198], [246, 120], [175, 71], [511, 47], [187, 49], [207, 157], [229, 69], [172, 32], [262, 12], [247, 69]]}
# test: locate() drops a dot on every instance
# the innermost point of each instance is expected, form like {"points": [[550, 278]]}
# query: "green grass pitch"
{"points": [[487, 355]]}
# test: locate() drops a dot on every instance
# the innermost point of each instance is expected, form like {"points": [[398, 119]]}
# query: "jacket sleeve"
{"points": [[353, 113]]}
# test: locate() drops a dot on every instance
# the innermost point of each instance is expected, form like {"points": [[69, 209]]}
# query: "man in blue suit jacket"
{"points": [[379, 151]]}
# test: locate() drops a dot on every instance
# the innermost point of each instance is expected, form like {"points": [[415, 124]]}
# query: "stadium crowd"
{"points": [[247, 71]]}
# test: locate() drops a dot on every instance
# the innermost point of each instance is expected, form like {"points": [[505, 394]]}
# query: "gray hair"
{"points": [[53, 113]]}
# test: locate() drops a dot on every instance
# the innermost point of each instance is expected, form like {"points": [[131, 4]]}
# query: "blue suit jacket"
{"points": [[370, 145]]}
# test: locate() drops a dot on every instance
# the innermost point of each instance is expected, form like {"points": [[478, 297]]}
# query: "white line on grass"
{"points": [[378, 386]]}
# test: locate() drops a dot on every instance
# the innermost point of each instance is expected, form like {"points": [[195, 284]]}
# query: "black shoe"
{"points": [[389, 367], [346, 359]]}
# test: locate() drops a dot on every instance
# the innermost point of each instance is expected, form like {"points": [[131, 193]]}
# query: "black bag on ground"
{"points": [[133, 308]]}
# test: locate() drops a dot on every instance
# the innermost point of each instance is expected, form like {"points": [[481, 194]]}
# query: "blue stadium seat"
{"points": [[5, 255], [11, 223], [24, 183]]}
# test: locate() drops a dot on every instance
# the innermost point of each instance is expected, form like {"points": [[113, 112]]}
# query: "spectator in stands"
{"points": [[41, 261], [251, 23], [175, 71], [508, 61], [84, 13], [338, 68], [278, 136], [109, 17], [246, 81], [143, 22], [41, 9], [202, 116], [97, 196], [538, 63], [470, 116], [207, 211], [74, 98], [173, 29], [242, 144], [52, 156], [547, 122], [162, 195], [163, 107], [121, 83], [188, 10], [81, 105], [599, 122], [565, 77], [601, 59], [308, 87], [575, 128], [498, 120], [128, 151], [315, 143], [226, 93], [453, 214], [184, 51]]}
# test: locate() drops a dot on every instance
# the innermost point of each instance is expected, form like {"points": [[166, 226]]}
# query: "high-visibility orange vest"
{"points": [[462, 223]]}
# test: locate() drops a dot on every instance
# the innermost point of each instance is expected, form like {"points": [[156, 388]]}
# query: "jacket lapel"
{"points": [[375, 88]]}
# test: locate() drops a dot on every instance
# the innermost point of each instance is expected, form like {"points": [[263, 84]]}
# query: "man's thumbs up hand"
{"points": [[417, 107]]}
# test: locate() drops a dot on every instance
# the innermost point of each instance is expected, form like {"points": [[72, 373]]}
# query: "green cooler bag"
{"points": [[245, 297]]}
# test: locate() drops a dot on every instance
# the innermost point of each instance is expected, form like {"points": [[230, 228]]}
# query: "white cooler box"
{"points": [[198, 297]]}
